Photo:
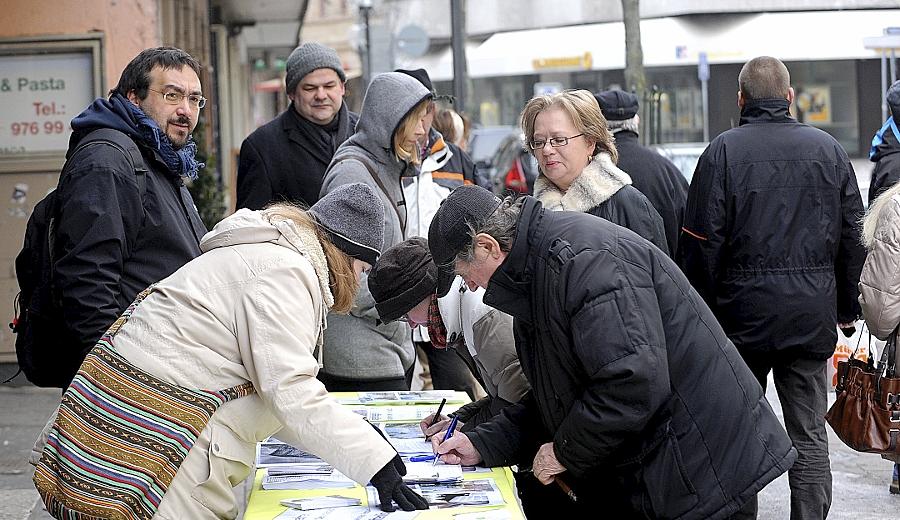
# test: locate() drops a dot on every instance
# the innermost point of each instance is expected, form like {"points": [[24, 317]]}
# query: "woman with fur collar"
{"points": [[577, 156], [879, 283]]}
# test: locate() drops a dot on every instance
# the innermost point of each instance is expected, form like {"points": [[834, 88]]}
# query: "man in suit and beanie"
{"points": [[286, 159], [651, 173]]}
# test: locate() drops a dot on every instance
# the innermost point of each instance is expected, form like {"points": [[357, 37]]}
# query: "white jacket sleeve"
{"points": [[879, 283], [277, 324]]}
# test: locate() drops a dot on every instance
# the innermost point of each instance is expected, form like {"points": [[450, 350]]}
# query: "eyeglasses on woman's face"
{"points": [[555, 142]]}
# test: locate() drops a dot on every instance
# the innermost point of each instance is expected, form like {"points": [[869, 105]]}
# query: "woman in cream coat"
{"points": [[252, 308], [879, 283]]}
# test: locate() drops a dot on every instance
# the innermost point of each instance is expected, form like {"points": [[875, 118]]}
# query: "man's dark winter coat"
{"points": [[632, 376], [112, 242], [771, 233], [658, 179], [285, 159]]}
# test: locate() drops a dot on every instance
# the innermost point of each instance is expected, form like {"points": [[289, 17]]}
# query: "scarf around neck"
{"points": [[118, 113]]}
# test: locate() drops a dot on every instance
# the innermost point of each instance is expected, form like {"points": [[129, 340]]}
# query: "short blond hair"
{"points": [[406, 128], [341, 278], [585, 112]]}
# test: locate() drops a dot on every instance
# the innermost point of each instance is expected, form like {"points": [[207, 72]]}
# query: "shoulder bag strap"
{"points": [[382, 187]]}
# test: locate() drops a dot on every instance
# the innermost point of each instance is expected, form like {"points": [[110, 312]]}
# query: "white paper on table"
{"points": [[407, 397], [428, 472], [324, 502], [491, 514], [346, 513], [481, 492], [335, 480], [396, 413], [410, 447]]}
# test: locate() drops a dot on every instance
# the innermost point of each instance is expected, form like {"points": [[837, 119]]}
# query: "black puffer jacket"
{"points": [[886, 156], [631, 374], [771, 233], [658, 179]]}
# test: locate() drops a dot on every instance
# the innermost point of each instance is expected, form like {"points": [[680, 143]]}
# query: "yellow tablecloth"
{"points": [[265, 505]]}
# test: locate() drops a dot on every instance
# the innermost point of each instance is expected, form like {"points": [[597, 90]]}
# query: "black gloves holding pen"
{"points": [[388, 481]]}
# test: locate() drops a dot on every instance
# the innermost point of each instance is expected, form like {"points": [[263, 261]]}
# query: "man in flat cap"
{"points": [[286, 159], [651, 173]]}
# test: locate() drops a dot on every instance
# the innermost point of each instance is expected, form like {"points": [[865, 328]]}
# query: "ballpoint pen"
{"points": [[446, 437], [437, 414]]}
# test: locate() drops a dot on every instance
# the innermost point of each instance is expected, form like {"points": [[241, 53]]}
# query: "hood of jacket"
{"points": [[120, 114], [886, 141], [599, 181], [436, 153], [263, 226], [389, 98]]}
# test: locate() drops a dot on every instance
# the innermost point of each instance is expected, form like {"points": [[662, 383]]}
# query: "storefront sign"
{"points": [[583, 62], [40, 94]]}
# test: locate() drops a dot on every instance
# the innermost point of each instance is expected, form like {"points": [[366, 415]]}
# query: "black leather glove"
{"points": [[391, 488]]}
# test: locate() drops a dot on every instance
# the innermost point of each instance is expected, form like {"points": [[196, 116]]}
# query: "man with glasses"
{"points": [[125, 218]]}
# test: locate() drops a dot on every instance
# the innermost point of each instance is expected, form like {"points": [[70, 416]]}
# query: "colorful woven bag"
{"points": [[120, 436]]}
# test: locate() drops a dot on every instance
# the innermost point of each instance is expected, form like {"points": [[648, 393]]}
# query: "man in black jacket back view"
{"points": [[771, 242], [651, 173], [119, 231], [885, 152]]}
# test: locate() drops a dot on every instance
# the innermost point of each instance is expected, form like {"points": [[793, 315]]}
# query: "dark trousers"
{"points": [[340, 384], [802, 388], [448, 370]]}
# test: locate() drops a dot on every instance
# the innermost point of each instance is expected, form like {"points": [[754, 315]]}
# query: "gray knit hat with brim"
{"points": [[307, 58], [403, 276], [353, 218]]}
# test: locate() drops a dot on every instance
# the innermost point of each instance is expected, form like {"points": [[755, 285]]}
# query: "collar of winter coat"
{"points": [[436, 153], [120, 114], [599, 181], [885, 142], [389, 98], [766, 111], [321, 140], [509, 289]]}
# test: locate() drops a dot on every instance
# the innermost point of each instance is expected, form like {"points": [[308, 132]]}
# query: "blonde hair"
{"points": [[341, 278], [450, 125], [584, 111], [406, 128]]}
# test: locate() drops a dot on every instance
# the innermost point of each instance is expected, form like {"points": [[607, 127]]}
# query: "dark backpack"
{"points": [[47, 353]]}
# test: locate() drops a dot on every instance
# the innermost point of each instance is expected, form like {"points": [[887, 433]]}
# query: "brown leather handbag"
{"points": [[866, 413]]}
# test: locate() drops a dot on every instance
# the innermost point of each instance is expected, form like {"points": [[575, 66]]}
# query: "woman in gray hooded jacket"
{"points": [[361, 353]]}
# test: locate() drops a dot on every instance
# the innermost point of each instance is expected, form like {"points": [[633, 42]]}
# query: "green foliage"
{"points": [[206, 188]]}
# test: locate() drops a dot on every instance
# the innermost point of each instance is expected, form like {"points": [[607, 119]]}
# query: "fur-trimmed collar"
{"points": [[599, 181]]}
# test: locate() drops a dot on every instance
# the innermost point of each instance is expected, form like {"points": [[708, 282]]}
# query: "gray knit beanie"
{"points": [[307, 58], [353, 217]]}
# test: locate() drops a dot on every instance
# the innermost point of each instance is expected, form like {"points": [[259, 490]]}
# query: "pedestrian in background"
{"points": [[286, 159], [384, 149], [651, 173], [771, 243], [120, 230], [252, 308], [885, 151], [577, 158], [639, 402]]}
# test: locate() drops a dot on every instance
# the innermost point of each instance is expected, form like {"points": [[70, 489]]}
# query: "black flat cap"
{"points": [[617, 105]]}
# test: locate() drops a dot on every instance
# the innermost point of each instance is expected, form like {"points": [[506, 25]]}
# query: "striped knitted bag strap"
{"points": [[120, 436]]}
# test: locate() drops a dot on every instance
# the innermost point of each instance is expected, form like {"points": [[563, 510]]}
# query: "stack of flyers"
{"points": [[335, 479], [306, 468], [427, 472], [325, 502]]}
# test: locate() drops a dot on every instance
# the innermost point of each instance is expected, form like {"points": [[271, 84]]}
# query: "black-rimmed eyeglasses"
{"points": [[555, 142], [175, 98]]}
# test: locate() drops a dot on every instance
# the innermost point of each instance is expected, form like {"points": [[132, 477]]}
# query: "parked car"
{"points": [[513, 168], [483, 145]]}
